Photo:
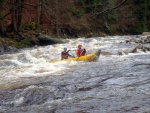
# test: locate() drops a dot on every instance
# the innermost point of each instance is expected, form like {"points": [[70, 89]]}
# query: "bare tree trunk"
{"points": [[2, 27], [38, 2], [42, 12], [57, 14], [17, 6], [14, 15], [20, 7]]}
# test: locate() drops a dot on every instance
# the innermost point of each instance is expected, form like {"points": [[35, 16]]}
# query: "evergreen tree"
{"points": [[141, 15], [148, 15]]}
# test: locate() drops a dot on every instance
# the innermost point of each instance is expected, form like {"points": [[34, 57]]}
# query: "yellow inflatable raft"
{"points": [[91, 57]]}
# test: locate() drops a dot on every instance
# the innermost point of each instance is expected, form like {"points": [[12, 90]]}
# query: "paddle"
{"points": [[80, 53], [72, 54]]}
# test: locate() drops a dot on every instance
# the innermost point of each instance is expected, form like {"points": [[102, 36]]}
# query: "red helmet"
{"points": [[79, 46]]}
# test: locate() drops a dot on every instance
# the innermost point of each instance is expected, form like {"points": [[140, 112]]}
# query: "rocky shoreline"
{"points": [[16, 42]]}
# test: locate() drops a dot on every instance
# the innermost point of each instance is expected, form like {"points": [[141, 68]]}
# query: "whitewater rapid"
{"points": [[117, 83]]}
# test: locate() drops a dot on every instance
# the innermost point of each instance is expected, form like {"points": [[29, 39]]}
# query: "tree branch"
{"points": [[35, 5], [110, 9], [22, 4]]}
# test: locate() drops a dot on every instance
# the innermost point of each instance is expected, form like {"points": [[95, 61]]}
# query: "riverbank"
{"points": [[29, 38]]}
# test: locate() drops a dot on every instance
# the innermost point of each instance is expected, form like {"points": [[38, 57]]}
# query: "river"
{"points": [[119, 82]]}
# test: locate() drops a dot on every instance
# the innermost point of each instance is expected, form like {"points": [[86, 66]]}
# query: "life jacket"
{"points": [[64, 55], [80, 52]]}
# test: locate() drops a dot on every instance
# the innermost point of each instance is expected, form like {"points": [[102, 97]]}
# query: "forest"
{"points": [[24, 19]]}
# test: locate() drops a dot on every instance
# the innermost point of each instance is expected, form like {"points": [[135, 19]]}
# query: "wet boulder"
{"points": [[1, 50], [146, 33], [135, 49], [46, 39], [130, 50], [105, 53], [7, 49], [143, 48], [143, 40]]}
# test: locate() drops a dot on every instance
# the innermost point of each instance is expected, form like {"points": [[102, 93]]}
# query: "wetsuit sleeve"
{"points": [[84, 51]]}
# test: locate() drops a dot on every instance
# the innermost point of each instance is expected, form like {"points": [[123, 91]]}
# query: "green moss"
{"points": [[29, 25], [15, 43]]}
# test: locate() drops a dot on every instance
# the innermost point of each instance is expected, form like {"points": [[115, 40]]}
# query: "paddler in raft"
{"points": [[65, 54], [80, 51]]}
